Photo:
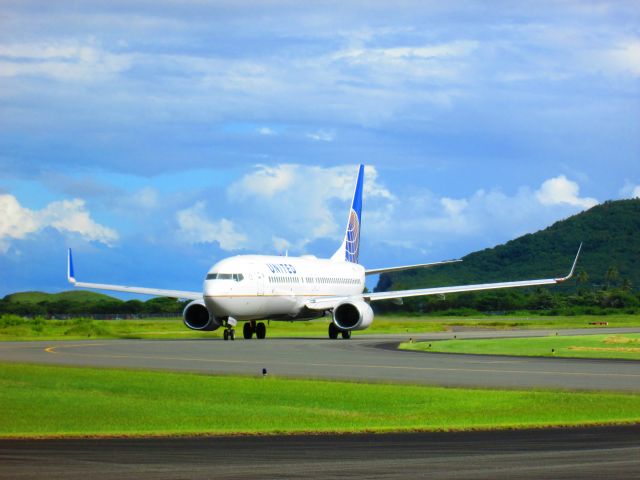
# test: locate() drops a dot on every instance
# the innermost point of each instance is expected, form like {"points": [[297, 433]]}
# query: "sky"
{"points": [[158, 137]]}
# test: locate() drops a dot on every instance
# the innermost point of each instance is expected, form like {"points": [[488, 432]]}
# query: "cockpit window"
{"points": [[238, 277]]}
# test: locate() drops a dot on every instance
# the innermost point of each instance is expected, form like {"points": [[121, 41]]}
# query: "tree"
{"points": [[542, 300], [163, 305], [611, 277], [582, 278]]}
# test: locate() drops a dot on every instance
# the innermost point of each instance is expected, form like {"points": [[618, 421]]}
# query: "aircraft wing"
{"points": [[326, 303], [375, 271], [123, 288]]}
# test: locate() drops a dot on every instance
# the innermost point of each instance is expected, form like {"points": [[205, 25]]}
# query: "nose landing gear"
{"points": [[229, 330]]}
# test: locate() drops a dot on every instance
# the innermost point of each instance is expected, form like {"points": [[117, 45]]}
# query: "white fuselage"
{"points": [[250, 287]]}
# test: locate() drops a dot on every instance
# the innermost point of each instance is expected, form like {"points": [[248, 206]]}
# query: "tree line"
{"points": [[613, 296], [108, 306]]}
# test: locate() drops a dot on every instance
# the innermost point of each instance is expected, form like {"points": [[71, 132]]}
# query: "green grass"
{"points": [[16, 328], [42, 401], [625, 346]]}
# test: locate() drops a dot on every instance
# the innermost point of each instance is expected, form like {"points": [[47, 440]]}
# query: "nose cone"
{"points": [[219, 286]]}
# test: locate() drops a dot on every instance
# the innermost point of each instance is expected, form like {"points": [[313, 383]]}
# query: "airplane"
{"points": [[249, 288]]}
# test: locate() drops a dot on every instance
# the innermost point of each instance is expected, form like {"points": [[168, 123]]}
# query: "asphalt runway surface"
{"points": [[611, 452], [371, 358], [605, 452]]}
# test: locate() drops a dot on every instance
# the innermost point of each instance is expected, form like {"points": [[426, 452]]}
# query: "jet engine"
{"points": [[356, 315], [197, 317]]}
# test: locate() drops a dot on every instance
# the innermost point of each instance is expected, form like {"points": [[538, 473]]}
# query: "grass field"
{"points": [[625, 346], [16, 328], [41, 401]]}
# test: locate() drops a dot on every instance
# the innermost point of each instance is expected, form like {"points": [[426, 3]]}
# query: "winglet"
{"points": [[71, 278], [573, 267]]}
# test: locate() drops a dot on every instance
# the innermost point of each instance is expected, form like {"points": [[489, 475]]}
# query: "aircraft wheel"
{"points": [[333, 331], [261, 330], [232, 334], [346, 334], [225, 334], [247, 330]]}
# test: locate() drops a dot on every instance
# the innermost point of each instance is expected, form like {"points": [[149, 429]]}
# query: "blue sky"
{"points": [[158, 137]]}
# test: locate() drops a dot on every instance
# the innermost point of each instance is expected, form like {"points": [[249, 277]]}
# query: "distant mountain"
{"points": [[610, 233]]}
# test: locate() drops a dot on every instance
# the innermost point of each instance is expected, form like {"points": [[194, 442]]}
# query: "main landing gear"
{"points": [[334, 331], [260, 329]]}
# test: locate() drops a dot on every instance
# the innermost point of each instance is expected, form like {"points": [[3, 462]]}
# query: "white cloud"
{"points": [[424, 222], [16, 222], [623, 57], [72, 216], [630, 190], [266, 131], [459, 48], [195, 227], [560, 190], [372, 188], [300, 201], [146, 197], [281, 244], [266, 181], [322, 136], [454, 206], [62, 61]]}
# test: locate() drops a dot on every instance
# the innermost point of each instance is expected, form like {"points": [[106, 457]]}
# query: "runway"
{"points": [[370, 358], [602, 452], [610, 452]]}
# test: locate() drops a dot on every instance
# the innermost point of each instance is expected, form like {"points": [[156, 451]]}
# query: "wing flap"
{"points": [[375, 271], [454, 289]]}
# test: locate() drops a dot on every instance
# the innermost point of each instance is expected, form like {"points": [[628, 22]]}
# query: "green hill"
{"points": [[72, 296], [82, 302], [610, 233]]}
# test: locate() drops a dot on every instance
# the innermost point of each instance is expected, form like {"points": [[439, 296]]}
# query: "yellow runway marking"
{"points": [[52, 349], [333, 365]]}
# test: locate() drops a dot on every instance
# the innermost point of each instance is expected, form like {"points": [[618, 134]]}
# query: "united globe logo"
{"points": [[352, 245]]}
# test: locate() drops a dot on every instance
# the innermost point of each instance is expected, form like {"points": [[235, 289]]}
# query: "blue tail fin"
{"points": [[350, 247]]}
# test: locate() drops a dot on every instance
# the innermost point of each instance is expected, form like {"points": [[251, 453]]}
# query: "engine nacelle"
{"points": [[197, 317], [355, 315]]}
